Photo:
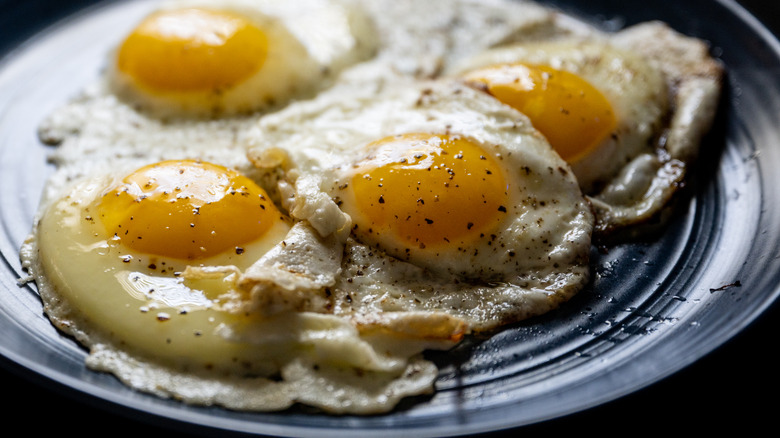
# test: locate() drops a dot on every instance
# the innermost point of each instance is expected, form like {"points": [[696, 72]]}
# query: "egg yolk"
{"points": [[429, 190], [574, 116], [192, 50], [186, 210]]}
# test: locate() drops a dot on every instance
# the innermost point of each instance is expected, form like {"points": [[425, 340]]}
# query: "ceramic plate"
{"points": [[655, 308]]}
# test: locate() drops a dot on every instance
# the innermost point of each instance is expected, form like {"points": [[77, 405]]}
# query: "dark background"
{"points": [[734, 386]]}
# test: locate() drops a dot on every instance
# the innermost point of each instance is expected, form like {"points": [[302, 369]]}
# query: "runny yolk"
{"points": [[192, 50], [429, 190], [574, 116], [186, 210]]}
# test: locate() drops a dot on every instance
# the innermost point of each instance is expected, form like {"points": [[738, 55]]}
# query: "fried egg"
{"points": [[605, 107], [218, 58], [595, 129], [447, 194], [144, 269], [112, 246]]}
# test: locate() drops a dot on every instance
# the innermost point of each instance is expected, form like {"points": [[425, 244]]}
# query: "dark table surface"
{"points": [[734, 386]]}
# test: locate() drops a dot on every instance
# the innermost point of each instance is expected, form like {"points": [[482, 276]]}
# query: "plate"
{"points": [[675, 327]]}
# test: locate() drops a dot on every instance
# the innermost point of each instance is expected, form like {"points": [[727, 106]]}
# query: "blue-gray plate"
{"points": [[674, 331]]}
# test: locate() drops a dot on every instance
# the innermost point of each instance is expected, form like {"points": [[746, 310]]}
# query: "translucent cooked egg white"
{"points": [[455, 202], [222, 58], [644, 187]]}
